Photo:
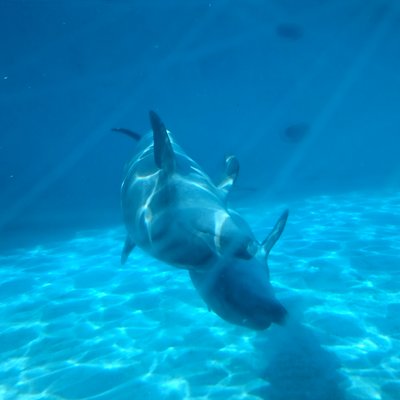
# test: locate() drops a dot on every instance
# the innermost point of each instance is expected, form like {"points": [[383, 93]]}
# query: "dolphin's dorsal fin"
{"points": [[128, 132], [230, 175], [163, 151], [275, 234], [128, 247]]}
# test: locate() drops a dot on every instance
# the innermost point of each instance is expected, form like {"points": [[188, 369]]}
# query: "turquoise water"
{"points": [[305, 93], [74, 324]]}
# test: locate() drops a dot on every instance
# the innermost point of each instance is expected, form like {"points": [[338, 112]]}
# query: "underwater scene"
{"points": [[200, 200]]}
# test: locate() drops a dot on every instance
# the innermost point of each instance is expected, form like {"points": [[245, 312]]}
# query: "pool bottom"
{"points": [[77, 325]]}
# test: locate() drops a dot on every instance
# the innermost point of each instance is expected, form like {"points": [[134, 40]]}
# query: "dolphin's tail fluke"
{"points": [[128, 132], [275, 234]]}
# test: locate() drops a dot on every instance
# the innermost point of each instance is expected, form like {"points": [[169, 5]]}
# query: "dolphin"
{"points": [[239, 290], [173, 210]]}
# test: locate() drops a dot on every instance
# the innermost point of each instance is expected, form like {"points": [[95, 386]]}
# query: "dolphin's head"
{"points": [[237, 287], [239, 291]]}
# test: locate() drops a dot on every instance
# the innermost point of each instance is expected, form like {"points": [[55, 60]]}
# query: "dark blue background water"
{"points": [[227, 77], [306, 93]]}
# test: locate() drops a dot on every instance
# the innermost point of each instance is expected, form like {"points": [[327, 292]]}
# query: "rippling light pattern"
{"points": [[74, 324]]}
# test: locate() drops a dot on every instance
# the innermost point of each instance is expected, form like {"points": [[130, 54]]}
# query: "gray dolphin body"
{"points": [[172, 209]]}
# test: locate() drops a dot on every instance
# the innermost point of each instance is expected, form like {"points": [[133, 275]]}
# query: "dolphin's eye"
{"points": [[252, 248], [247, 250]]}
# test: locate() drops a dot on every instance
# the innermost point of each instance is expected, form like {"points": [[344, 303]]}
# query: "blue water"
{"points": [[305, 93], [76, 325]]}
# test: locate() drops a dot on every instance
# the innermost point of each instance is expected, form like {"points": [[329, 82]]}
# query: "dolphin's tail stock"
{"points": [[275, 234]]}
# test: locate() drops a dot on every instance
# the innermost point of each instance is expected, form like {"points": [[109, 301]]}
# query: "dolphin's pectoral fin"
{"points": [[163, 151], [128, 247], [275, 234], [128, 132], [231, 174]]}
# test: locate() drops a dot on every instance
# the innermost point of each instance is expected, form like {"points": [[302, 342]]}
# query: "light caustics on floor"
{"points": [[74, 324]]}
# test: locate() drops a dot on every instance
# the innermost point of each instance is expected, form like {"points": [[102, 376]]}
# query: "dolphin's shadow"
{"points": [[297, 367]]}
